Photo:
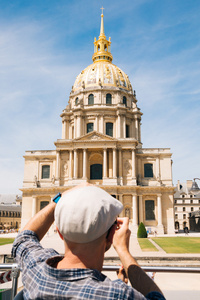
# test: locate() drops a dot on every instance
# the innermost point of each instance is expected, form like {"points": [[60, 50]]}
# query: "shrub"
{"points": [[142, 233]]}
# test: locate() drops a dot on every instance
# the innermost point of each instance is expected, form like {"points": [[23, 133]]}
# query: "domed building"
{"points": [[101, 144]]}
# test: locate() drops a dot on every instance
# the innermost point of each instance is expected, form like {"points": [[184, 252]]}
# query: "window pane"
{"points": [[96, 171], [148, 170], [149, 210], [90, 99], [108, 99], [109, 129], [45, 172], [90, 127], [127, 131], [124, 101]]}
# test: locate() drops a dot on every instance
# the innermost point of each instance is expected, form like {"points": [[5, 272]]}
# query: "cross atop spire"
{"points": [[102, 45]]}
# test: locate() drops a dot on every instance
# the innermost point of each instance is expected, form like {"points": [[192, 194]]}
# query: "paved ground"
{"points": [[174, 285]]}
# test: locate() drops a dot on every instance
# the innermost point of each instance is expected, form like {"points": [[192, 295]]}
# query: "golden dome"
{"points": [[102, 72]]}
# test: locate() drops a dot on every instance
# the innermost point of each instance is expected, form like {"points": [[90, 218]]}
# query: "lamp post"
{"points": [[195, 187]]}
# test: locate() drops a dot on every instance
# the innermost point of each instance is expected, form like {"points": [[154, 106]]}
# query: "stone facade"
{"points": [[10, 212], [101, 144], [185, 203]]}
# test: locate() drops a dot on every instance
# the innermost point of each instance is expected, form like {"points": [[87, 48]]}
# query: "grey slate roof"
{"points": [[15, 208]]}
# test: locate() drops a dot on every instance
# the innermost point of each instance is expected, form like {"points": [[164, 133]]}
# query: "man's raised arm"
{"points": [[42, 221], [138, 278]]}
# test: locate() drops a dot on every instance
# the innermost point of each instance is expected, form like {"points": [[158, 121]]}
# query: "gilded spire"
{"points": [[102, 45], [102, 24]]}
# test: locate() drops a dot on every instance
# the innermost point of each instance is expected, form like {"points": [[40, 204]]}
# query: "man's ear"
{"points": [[59, 233], [111, 234]]}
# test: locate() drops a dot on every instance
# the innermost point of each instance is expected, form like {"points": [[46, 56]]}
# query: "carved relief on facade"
{"points": [[64, 165], [127, 163]]}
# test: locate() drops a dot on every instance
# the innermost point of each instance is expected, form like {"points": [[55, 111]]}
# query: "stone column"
{"points": [[120, 168], [136, 127], [119, 125], [70, 164], [102, 124], [141, 213], [96, 127], [84, 163], [78, 126], [124, 127], [114, 164], [159, 210], [160, 228], [135, 215], [75, 127], [104, 163], [75, 164], [58, 166], [121, 200], [33, 206], [158, 169], [139, 132], [110, 169], [133, 168], [64, 129]]}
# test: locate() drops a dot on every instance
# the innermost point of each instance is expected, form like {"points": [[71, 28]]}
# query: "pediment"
{"points": [[95, 136]]}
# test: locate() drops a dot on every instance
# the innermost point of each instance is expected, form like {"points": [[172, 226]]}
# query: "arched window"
{"points": [[96, 171], [149, 210], [45, 171], [90, 127], [108, 99], [124, 101], [109, 129], [148, 170], [43, 204], [76, 101], [91, 99]]}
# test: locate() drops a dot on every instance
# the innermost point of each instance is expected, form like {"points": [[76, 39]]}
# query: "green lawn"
{"points": [[146, 245], [178, 244], [4, 241]]}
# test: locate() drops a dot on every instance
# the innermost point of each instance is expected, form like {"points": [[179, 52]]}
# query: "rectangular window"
{"points": [[149, 210], [45, 171], [109, 129], [90, 127], [148, 170], [127, 131]]}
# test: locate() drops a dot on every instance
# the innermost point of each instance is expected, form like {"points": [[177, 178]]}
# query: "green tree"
{"points": [[142, 233]]}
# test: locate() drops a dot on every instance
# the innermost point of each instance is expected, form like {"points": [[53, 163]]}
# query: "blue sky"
{"points": [[45, 44]]}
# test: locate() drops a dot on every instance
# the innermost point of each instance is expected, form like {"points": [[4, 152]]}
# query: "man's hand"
{"points": [[122, 236]]}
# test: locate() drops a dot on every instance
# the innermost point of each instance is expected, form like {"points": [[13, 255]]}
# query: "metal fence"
{"points": [[14, 275], [159, 269], [15, 272]]}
